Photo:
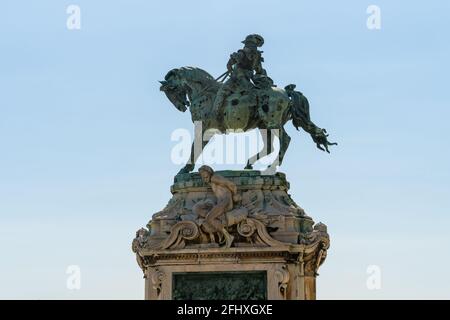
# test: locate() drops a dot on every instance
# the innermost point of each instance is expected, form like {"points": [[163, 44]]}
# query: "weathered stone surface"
{"points": [[265, 198], [269, 232]]}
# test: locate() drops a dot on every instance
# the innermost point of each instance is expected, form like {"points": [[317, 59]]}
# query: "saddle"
{"points": [[241, 105]]}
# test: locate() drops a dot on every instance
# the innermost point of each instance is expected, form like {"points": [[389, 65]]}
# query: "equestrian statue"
{"points": [[242, 99]]}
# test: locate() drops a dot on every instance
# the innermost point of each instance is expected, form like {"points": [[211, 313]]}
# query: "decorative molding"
{"points": [[265, 227], [157, 277], [282, 278]]}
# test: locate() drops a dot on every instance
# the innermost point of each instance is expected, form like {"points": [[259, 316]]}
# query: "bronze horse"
{"points": [[264, 107]]}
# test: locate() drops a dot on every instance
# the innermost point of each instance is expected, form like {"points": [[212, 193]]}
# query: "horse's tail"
{"points": [[299, 111], [299, 107]]}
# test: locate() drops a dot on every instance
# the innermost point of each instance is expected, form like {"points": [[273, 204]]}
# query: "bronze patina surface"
{"points": [[245, 100]]}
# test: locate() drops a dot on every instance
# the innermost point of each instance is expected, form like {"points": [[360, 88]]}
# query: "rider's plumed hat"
{"points": [[255, 39]]}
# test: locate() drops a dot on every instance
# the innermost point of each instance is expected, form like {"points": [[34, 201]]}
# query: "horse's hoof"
{"points": [[185, 169], [248, 167], [270, 170]]}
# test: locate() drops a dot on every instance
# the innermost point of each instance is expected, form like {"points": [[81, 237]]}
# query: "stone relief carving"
{"points": [[318, 240], [157, 277], [219, 286], [138, 243], [232, 209], [219, 220], [212, 215], [282, 277]]}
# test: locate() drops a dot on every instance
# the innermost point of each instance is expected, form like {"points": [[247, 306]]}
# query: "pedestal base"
{"points": [[280, 269], [264, 236]]}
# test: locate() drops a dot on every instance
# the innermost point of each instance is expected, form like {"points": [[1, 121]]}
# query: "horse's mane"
{"points": [[198, 75]]}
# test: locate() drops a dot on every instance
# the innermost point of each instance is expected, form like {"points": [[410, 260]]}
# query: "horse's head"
{"points": [[175, 88], [187, 84]]}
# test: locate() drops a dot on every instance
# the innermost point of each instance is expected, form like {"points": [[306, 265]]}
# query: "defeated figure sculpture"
{"points": [[247, 100], [226, 194]]}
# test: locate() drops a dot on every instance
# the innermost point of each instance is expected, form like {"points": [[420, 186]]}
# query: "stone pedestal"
{"points": [[275, 252]]}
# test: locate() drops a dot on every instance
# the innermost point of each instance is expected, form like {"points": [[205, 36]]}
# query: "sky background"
{"points": [[85, 135]]}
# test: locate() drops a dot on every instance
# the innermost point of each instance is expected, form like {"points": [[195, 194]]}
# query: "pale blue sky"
{"points": [[84, 161]]}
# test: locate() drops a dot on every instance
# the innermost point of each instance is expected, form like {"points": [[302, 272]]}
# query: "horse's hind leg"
{"points": [[267, 149], [272, 168], [285, 139]]}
